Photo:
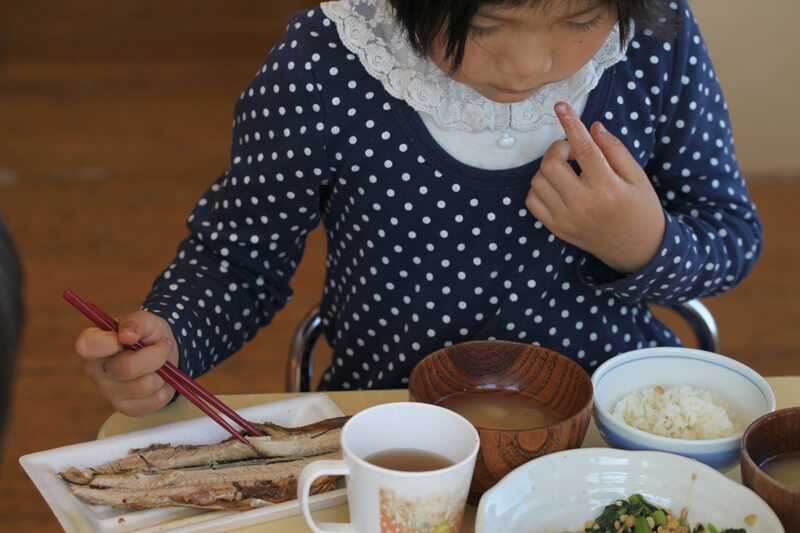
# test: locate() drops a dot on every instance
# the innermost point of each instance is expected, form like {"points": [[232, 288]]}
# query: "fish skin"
{"points": [[249, 472], [318, 427], [315, 438], [240, 488]]}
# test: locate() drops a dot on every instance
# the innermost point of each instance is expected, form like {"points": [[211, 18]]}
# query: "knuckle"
{"points": [[584, 150], [162, 353], [163, 396], [550, 165], [127, 367], [81, 347], [157, 382], [581, 220], [530, 197], [132, 407], [609, 200], [557, 151], [122, 406], [532, 205], [144, 386]]}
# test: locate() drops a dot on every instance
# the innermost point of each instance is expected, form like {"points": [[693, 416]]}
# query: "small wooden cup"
{"points": [[773, 434], [500, 367]]}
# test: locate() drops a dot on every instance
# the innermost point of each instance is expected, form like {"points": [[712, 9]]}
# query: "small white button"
{"points": [[506, 141]]}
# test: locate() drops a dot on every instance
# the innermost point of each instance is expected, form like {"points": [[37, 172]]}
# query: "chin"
{"points": [[506, 97]]}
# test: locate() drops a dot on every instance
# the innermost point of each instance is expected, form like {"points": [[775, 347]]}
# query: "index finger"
{"points": [[584, 149]]}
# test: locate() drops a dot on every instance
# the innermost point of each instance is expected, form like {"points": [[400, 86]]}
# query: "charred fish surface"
{"points": [[313, 439], [235, 488], [225, 475]]}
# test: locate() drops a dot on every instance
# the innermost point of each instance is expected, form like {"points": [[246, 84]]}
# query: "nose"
{"points": [[530, 58]]}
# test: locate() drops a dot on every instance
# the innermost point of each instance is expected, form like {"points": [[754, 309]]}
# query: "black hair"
{"points": [[11, 318], [425, 20]]}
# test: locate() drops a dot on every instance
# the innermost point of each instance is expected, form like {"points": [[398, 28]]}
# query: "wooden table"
{"points": [[787, 393]]}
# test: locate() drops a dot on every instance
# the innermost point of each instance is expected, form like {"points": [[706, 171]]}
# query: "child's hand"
{"points": [[611, 210], [127, 378]]}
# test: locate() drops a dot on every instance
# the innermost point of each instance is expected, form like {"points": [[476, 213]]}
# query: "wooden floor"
{"points": [[114, 117]]}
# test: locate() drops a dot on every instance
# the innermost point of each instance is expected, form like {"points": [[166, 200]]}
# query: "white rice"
{"points": [[681, 412]]}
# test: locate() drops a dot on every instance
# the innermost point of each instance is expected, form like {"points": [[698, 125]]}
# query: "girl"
{"points": [[460, 156]]}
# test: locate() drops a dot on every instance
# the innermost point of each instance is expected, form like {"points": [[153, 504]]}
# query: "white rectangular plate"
{"points": [[76, 516]]}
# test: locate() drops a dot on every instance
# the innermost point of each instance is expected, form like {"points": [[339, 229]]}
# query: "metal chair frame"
{"points": [[300, 368], [299, 371]]}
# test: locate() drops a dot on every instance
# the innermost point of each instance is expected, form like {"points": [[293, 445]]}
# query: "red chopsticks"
{"points": [[190, 389]]}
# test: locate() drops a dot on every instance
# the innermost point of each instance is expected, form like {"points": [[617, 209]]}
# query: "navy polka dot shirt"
{"points": [[425, 251]]}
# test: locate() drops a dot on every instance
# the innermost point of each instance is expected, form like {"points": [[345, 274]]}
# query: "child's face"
{"points": [[513, 51]]}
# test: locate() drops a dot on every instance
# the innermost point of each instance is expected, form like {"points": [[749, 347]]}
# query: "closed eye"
{"points": [[586, 25], [478, 31]]}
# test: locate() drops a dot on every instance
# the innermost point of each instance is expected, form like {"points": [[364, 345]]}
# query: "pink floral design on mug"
{"points": [[408, 468], [420, 515]]}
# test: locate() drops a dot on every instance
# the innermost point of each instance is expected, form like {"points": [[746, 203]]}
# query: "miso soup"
{"points": [[784, 468], [504, 410]]}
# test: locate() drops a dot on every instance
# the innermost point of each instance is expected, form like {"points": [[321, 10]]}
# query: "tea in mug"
{"points": [[408, 460]]}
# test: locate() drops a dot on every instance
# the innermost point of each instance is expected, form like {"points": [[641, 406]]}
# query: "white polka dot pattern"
{"points": [[424, 251]]}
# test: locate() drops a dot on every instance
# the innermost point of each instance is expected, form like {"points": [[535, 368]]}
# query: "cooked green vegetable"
{"points": [[640, 525], [637, 515]]}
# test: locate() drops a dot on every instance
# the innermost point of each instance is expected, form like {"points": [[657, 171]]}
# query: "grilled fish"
{"points": [[226, 475]]}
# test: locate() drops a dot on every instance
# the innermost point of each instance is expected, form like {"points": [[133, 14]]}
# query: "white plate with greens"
{"points": [[562, 491]]}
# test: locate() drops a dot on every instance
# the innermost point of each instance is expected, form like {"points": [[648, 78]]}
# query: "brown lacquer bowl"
{"points": [[488, 369], [772, 435]]}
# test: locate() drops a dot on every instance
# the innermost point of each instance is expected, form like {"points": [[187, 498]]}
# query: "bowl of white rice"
{"points": [[679, 400]]}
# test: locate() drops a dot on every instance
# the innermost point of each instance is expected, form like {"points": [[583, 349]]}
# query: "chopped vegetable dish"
{"points": [[637, 515]]}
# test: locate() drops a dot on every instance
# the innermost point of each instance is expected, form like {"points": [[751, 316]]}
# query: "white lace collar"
{"points": [[368, 29]]}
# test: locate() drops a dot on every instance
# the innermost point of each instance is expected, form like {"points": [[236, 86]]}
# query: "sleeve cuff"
{"points": [[653, 279]]}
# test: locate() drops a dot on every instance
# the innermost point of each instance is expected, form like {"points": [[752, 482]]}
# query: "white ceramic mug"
{"points": [[395, 501]]}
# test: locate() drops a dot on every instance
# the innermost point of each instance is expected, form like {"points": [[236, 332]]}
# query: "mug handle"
{"points": [[307, 477]]}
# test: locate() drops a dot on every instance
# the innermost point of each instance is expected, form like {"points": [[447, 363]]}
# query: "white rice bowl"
{"points": [[746, 394]]}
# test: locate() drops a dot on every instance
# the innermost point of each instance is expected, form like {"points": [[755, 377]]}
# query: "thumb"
{"points": [[141, 326], [616, 153]]}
